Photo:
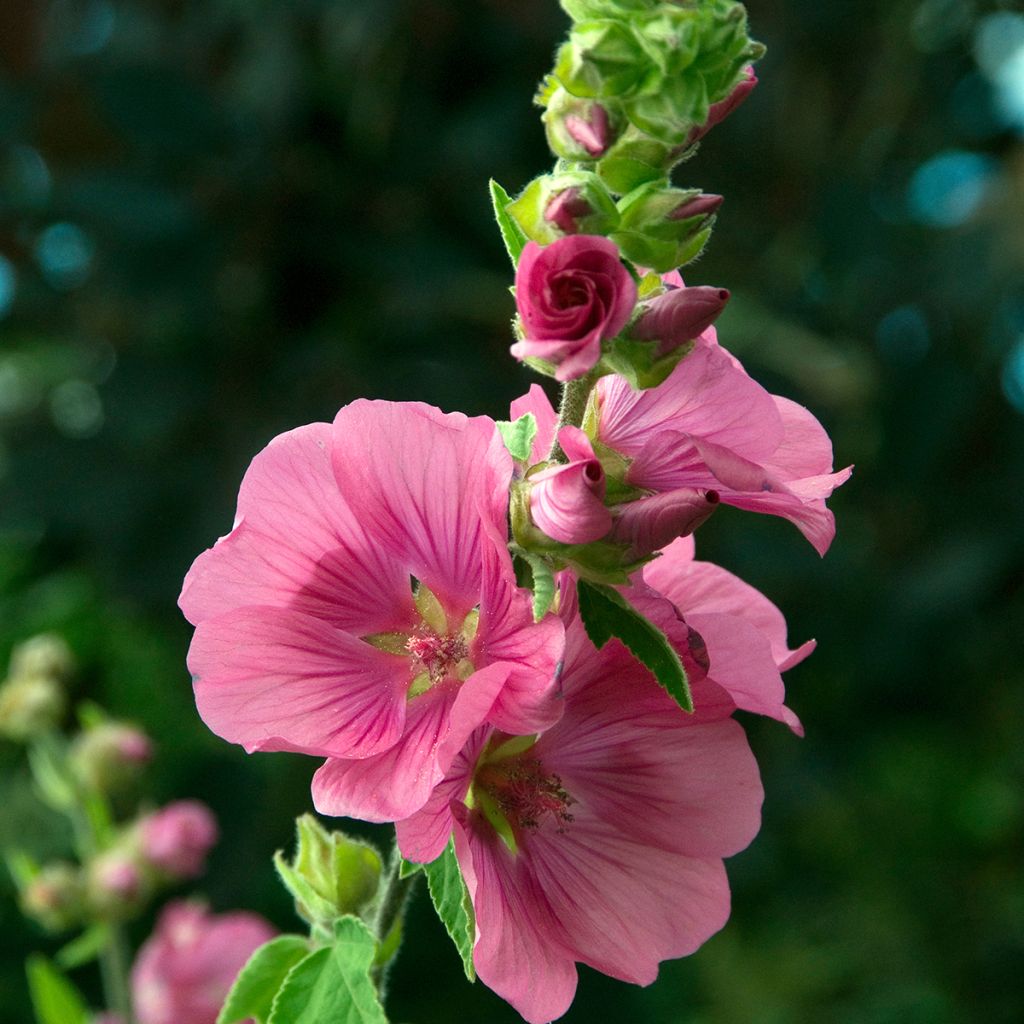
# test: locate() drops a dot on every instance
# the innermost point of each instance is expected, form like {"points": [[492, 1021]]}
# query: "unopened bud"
{"points": [[176, 839], [602, 58], [331, 874], [555, 205], [649, 524], [30, 705], [117, 884], [109, 756], [679, 316], [718, 112], [664, 228], [55, 897], [43, 655], [579, 129]]}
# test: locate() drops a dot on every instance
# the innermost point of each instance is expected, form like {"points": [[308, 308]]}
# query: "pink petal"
{"points": [[537, 402], [805, 449], [565, 504], [297, 544], [277, 679], [422, 480], [397, 783], [648, 524]]}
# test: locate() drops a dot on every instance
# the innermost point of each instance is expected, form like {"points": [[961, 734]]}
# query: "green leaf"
{"points": [[451, 901], [332, 985], [54, 999], [252, 994], [511, 233], [84, 948], [606, 613], [518, 436], [542, 582], [406, 868]]}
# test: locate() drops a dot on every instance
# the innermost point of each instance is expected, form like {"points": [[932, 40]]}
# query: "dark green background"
{"points": [[266, 209]]}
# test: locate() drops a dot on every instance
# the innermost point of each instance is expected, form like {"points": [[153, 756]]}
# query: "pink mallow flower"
{"points": [[601, 841], [176, 839], [310, 637], [186, 968], [743, 633], [571, 295], [707, 434]]}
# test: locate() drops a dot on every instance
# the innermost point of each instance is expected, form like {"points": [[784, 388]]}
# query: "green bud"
{"points": [[109, 757], [30, 705], [331, 874], [634, 159], [669, 112], [573, 203], [44, 655], [664, 228], [602, 58], [584, 10], [671, 37], [55, 897], [580, 129]]}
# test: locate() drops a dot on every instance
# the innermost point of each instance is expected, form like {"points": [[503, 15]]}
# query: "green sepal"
{"points": [[528, 209], [259, 981], [408, 868], [518, 436], [606, 614], [451, 900], [332, 983], [659, 254], [602, 58], [541, 580], [511, 233], [637, 362], [55, 999]]}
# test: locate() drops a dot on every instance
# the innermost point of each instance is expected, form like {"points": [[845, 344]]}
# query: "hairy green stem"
{"points": [[575, 394], [394, 895]]}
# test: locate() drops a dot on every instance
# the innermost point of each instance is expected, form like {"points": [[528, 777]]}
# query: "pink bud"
{"points": [[567, 501], [593, 135], [115, 877], [723, 108], [703, 205], [177, 838], [650, 524], [679, 316], [565, 209]]}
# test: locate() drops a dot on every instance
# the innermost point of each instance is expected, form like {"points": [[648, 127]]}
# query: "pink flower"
{"points": [[309, 636], [571, 295], [709, 427], [743, 632], [177, 838], [721, 110], [600, 842], [567, 501], [186, 968]]}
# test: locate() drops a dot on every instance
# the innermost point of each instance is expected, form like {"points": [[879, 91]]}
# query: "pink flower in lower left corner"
{"points": [[600, 841], [364, 607], [186, 968]]}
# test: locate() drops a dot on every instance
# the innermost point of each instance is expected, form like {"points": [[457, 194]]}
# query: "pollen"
{"points": [[525, 794], [440, 655]]}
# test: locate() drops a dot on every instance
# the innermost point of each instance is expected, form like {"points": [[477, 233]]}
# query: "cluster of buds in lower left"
{"points": [[33, 697]]}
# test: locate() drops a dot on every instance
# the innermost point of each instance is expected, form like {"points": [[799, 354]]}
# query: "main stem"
{"points": [[575, 395], [394, 894]]}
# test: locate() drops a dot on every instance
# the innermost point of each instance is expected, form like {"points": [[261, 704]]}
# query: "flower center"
{"points": [[514, 791], [438, 654]]}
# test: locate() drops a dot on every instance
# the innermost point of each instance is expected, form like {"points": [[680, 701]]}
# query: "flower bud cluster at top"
{"points": [[634, 88]]}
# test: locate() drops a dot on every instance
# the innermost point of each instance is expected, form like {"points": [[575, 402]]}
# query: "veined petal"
{"points": [[296, 543], [397, 783], [422, 481], [278, 679]]}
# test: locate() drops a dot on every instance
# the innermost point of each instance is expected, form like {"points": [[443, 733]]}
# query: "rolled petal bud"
{"points": [[579, 129], [567, 501], [109, 756], [331, 874], [718, 112], [679, 316], [649, 524], [664, 228], [117, 884], [30, 705], [555, 205], [176, 839], [55, 897]]}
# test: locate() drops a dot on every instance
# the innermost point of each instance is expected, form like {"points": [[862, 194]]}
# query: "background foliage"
{"points": [[223, 218]]}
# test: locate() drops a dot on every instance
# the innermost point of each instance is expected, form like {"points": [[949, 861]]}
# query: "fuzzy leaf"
{"points": [[259, 981], [606, 613], [518, 436], [511, 233], [451, 901], [333, 983], [54, 999]]}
